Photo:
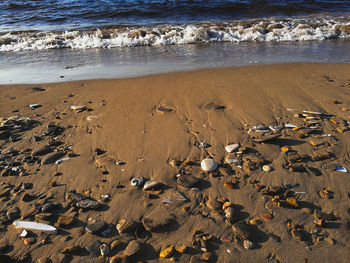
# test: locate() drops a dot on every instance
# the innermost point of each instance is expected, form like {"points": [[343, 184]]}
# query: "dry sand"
{"points": [[142, 124]]}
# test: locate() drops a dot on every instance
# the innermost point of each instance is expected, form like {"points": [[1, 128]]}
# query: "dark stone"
{"points": [[96, 228], [94, 248]]}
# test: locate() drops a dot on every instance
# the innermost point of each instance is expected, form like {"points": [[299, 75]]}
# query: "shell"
{"points": [[248, 244], [138, 181], [232, 148], [208, 165]]}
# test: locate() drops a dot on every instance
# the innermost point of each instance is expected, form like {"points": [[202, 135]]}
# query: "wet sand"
{"points": [[161, 127]]}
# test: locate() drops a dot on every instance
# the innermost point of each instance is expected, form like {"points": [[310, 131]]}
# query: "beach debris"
{"points": [[247, 244], [161, 109], [151, 185], [62, 160], [132, 248], [275, 128], [340, 169], [77, 108], [266, 168], [157, 220], [167, 253], [92, 117], [29, 225], [138, 181], [188, 181], [232, 147], [208, 165], [35, 106], [52, 157]]}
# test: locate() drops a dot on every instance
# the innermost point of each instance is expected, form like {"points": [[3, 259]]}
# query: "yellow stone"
{"points": [[285, 149], [292, 202], [166, 253]]}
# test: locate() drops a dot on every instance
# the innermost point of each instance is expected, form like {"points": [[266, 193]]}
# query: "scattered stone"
{"points": [[27, 198], [52, 157], [208, 165], [13, 213], [232, 147], [151, 185], [166, 253], [267, 168], [88, 204], [132, 248], [94, 248], [126, 226], [64, 221], [96, 227], [247, 244], [188, 181], [71, 250]]}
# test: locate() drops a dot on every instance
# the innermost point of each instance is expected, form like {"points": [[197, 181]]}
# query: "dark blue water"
{"points": [[18, 15]]}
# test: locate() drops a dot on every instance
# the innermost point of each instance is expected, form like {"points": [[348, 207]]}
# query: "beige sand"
{"points": [[134, 126]]}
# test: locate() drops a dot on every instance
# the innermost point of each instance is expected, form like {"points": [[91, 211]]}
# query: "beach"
{"points": [[282, 194]]}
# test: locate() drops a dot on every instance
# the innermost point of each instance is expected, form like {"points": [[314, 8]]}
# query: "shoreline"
{"points": [[153, 127]]}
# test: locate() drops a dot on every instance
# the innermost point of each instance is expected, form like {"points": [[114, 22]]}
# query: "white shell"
{"points": [[91, 117], [150, 184], [288, 125], [76, 107], [232, 147], [208, 165], [62, 160], [34, 226], [266, 168]]}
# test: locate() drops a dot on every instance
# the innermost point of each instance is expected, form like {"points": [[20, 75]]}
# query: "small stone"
{"points": [[132, 248], [94, 248], [13, 213], [248, 244], [266, 216], [27, 198], [88, 204], [52, 157], [330, 241], [188, 181], [151, 185], [213, 204], [292, 202], [167, 253], [232, 148], [207, 256], [29, 241], [126, 225], [96, 228], [285, 149], [229, 212], [208, 165], [65, 220], [181, 249], [241, 230], [266, 168], [70, 250]]}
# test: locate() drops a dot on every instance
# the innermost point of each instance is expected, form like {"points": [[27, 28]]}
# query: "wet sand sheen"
{"points": [[143, 124]]}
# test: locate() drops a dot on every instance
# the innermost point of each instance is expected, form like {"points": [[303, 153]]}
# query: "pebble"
{"points": [[151, 185], [229, 212], [138, 181], [88, 204], [44, 260], [65, 220], [188, 181], [13, 213], [52, 157], [266, 168], [29, 241], [232, 147], [94, 248], [167, 253], [208, 165], [241, 230], [96, 227], [132, 248], [248, 244], [126, 225], [104, 249]]}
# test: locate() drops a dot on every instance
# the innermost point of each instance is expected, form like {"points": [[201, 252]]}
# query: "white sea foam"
{"points": [[301, 29]]}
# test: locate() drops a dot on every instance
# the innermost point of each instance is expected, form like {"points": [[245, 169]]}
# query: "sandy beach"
{"points": [[281, 195]]}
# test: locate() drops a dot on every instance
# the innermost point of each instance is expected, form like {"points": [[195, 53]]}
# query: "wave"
{"points": [[254, 30]]}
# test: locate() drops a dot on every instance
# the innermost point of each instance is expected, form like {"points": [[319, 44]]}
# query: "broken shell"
{"points": [[266, 168], [151, 185], [248, 244], [208, 165], [232, 147]]}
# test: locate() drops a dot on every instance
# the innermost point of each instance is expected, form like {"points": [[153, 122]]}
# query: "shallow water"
{"points": [[58, 65]]}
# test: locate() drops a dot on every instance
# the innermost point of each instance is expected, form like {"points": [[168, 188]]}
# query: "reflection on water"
{"points": [[66, 64]]}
